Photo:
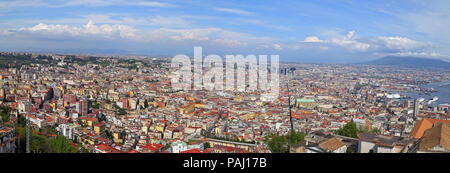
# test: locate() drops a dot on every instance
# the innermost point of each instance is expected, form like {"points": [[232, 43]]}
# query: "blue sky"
{"points": [[335, 31]]}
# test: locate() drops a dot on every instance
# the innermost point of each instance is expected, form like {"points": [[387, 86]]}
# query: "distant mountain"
{"points": [[412, 62]]}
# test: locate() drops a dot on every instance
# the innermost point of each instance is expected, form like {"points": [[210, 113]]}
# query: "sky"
{"points": [[322, 31]]}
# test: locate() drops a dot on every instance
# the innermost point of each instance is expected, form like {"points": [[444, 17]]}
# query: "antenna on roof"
{"points": [[289, 104]]}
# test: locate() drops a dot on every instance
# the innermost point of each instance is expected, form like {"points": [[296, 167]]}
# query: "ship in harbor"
{"points": [[435, 98]]}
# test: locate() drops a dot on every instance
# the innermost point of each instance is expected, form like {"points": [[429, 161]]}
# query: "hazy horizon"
{"points": [[318, 32]]}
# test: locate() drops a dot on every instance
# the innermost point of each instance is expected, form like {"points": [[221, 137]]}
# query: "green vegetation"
{"points": [[122, 134], [84, 61], [21, 121], [109, 135], [376, 130], [281, 144], [360, 86], [146, 104], [23, 59], [41, 144], [206, 145], [17, 60], [5, 113], [42, 141], [62, 145], [95, 105], [119, 111], [109, 101], [348, 130], [166, 147], [350, 150], [104, 63], [84, 150]]}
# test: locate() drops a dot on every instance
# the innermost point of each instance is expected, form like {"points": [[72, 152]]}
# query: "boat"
{"points": [[435, 98]]}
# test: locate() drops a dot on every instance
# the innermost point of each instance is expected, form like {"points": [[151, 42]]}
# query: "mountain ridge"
{"points": [[409, 61]]}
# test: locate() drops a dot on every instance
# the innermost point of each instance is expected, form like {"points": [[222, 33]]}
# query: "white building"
{"points": [[374, 143], [178, 146]]}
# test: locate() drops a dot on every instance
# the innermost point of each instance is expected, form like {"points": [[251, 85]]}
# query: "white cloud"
{"points": [[23, 3], [313, 39], [350, 34], [387, 45], [214, 35], [431, 18], [323, 48], [234, 11], [218, 37], [277, 47], [230, 42], [347, 41], [141, 3], [91, 31], [71, 3], [167, 21], [162, 21], [105, 31], [154, 4], [89, 2], [189, 34], [418, 54], [350, 43], [400, 43]]}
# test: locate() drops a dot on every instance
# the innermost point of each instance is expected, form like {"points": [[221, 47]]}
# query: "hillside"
{"points": [[412, 62]]}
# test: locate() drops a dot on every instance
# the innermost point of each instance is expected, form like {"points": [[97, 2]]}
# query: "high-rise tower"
{"points": [[416, 107]]}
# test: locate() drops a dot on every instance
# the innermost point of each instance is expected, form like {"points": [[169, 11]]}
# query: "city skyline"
{"points": [[298, 31]]}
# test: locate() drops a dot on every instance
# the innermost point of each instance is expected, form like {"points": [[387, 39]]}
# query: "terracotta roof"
{"points": [[439, 135], [423, 125], [331, 144], [192, 151], [107, 149], [133, 151], [208, 150], [153, 147]]}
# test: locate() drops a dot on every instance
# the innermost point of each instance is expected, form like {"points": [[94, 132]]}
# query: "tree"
{"points": [[5, 112], [294, 137], [95, 105], [121, 111], [122, 134], [281, 144], [277, 144], [41, 144], [376, 130], [21, 121], [62, 145], [84, 150], [348, 130], [146, 104], [206, 145], [109, 135]]}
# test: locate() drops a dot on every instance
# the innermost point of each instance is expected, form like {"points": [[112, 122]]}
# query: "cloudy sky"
{"points": [[335, 31]]}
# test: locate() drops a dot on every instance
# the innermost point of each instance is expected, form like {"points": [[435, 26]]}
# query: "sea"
{"points": [[442, 91]]}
